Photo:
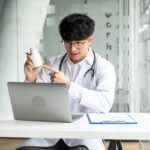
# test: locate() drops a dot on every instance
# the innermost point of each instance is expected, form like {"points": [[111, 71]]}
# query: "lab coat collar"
{"points": [[90, 57]]}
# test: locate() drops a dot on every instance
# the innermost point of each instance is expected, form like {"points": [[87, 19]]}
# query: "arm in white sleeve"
{"points": [[101, 98]]}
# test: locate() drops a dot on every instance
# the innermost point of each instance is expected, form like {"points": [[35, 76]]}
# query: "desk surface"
{"points": [[78, 129]]}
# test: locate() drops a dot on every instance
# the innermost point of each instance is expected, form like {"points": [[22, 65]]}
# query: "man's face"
{"points": [[78, 50]]}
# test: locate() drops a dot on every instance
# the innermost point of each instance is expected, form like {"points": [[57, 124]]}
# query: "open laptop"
{"points": [[40, 102]]}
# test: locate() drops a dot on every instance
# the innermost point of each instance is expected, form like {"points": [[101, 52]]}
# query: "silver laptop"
{"points": [[40, 102]]}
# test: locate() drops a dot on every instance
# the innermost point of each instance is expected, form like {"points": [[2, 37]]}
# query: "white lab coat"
{"points": [[87, 94]]}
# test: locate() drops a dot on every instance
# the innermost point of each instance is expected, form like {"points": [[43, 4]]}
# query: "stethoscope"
{"points": [[91, 69]]}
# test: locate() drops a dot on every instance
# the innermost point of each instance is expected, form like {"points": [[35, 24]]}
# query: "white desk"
{"points": [[78, 129]]}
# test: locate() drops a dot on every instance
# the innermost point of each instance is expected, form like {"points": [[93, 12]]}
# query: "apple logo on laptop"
{"points": [[38, 101]]}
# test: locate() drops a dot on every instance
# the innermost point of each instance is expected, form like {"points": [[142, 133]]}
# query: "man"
{"points": [[89, 77]]}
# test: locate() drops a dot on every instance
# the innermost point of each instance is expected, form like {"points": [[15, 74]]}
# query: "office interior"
{"points": [[122, 36]]}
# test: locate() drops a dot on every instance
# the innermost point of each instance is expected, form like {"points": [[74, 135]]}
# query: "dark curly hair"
{"points": [[76, 27]]}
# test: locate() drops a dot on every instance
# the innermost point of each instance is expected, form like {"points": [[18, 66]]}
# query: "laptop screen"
{"points": [[40, 101]]}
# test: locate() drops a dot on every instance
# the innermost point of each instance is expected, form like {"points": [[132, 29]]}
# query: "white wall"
{"points": [[31, 19], [8, 51], [22, 22]]}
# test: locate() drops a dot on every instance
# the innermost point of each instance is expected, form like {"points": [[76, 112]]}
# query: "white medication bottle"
{"points": [[36, 58]]}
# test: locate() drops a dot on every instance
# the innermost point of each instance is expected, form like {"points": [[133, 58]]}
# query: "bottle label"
{"points": [[36, 58]]}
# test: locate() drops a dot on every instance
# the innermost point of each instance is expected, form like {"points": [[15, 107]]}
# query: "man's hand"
{"points": [[29, 71], [57, 76]]}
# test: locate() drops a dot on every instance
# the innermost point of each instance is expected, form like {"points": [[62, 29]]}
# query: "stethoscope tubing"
{"points": [[90, 69]]}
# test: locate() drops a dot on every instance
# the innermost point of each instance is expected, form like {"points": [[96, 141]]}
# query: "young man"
{"points": [[89, 77]]}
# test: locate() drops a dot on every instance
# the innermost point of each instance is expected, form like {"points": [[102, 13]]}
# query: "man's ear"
{"points": [[90, 39]]}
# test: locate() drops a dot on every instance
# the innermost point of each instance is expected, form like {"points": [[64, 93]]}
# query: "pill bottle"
{"points": [[36, 58]]}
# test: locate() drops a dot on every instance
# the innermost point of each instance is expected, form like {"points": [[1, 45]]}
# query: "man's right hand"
{"points": [[29, 71]]}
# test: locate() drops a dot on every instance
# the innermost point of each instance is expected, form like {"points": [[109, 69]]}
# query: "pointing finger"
{"points": [[50, 68]]}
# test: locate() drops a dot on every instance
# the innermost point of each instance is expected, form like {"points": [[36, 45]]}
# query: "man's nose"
{"points": [[73, 46]]}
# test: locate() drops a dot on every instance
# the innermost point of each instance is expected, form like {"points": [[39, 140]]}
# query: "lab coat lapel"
{"points": [[80, 79], [86, 65]]}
